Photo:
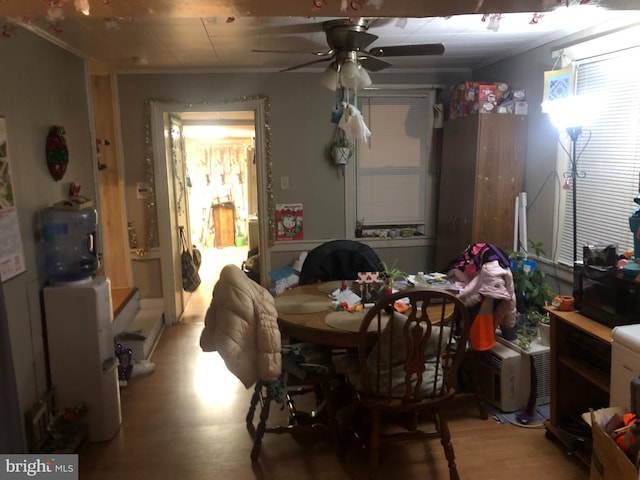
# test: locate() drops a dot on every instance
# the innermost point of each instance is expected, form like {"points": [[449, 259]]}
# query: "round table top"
{"points": [[310, 326], [303, 313]]}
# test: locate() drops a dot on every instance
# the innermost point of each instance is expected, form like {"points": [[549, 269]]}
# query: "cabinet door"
{"points": [[457, 189], [499, 179]]}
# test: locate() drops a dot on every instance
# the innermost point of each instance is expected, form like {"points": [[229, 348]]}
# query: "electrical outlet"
{"points": [[284, 183]]}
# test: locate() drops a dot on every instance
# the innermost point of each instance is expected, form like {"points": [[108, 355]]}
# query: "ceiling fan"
{"points": [[348, 39]]}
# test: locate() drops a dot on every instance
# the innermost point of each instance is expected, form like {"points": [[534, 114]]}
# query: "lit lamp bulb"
{"points": [[82, 6], [574, 111]]}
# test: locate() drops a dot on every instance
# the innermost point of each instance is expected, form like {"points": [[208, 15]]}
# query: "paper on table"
{"points": [[347, 296]]}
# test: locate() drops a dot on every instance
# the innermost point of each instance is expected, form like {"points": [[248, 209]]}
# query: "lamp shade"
{"points": [[364, 80], [349, 74], [329, 78]]}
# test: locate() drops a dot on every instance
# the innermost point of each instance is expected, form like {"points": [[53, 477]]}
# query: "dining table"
{"points": [[308, 313]]}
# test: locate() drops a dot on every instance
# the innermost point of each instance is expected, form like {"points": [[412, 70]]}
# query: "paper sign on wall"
{"points": [[11, 252], [289, 221]]}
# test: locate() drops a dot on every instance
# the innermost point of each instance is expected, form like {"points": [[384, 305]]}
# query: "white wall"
{"points": [[40, 86]]}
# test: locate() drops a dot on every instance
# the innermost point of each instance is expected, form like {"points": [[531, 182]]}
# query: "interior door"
{"points": [[179, 202], [174, 296]]}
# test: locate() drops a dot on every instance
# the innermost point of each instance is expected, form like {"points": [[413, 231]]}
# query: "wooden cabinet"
{"points": [[482, 174], [224, 224], [580, 374]]}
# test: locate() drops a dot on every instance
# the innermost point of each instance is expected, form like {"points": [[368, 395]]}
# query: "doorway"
{"points": [[172, 201], [222, 190]]}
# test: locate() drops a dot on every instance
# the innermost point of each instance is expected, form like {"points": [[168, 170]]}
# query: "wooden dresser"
{"points": [[580, 373], [482, 174]]}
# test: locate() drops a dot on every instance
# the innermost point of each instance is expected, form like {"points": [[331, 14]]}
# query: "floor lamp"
{"points": [[574, 133], [572, 114]]}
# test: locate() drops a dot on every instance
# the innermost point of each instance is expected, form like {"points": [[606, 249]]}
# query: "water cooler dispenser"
{"points": [[79, 317]]}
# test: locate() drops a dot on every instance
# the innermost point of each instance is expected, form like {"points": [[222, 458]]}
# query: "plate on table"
{"points": [[302, 303], [350, 321]]}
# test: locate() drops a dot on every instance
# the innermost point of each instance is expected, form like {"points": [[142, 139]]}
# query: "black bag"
{"points": [[190, 277], [197, 257]]}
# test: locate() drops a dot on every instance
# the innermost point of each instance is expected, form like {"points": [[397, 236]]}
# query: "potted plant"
{"points": [[341, 150], [390, 277], [532, 294]]}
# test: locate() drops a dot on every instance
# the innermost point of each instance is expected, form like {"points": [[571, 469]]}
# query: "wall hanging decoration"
{"points": [[11, 252], [57, 152], [289, 221], [558, 85]]}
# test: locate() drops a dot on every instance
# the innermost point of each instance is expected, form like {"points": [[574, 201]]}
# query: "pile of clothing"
{"points": [[484, 271]]}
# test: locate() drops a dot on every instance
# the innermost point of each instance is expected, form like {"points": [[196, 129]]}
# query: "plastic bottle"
{"points": [[69, 249]]}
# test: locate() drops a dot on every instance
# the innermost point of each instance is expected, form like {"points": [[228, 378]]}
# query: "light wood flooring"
{"points": [[186, 421]]}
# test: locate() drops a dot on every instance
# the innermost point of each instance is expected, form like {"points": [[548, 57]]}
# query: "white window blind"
{"points": [[391, 169], [608, 160]]}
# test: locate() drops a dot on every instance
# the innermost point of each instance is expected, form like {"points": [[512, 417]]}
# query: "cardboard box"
{"points": [[608, 462]]}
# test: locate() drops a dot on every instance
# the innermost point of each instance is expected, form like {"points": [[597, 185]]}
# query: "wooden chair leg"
{"points": [[262, 425], [374, 444], [331, 417], [445, 440]]}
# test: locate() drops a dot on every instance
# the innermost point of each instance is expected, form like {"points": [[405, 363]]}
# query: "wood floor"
{"points": [[186, 421]]}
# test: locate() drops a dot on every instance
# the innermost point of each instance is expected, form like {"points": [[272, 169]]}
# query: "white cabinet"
{"points": [[625, 364]]}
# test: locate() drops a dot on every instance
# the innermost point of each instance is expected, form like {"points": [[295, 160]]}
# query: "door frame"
{"points": [[168, 244]]}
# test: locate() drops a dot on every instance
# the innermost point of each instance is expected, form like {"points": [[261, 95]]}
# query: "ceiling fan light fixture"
{"points": [[364, 80], [329, 78], [349, 74]]}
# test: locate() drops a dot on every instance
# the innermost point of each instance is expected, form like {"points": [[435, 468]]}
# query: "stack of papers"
{"points": [[434, 280]]}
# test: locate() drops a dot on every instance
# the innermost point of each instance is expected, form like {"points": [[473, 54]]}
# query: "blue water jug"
{"points": [[69, 247]]}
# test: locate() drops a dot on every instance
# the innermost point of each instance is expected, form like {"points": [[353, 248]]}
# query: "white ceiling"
{"points": [[149, 41]]}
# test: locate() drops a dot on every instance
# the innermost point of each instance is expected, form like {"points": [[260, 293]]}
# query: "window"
{"points": [[608, 156], [393, 182]]}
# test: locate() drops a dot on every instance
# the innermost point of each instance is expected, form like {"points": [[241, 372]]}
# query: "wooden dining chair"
{"points": [[413, 366]]}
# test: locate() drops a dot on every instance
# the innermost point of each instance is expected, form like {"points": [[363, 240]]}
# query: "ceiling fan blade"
{"points": [[408, 50], [371, 63], [306, 64]]}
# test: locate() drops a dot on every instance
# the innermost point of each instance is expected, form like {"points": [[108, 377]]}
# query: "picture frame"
{"points": [[558, 85]]}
